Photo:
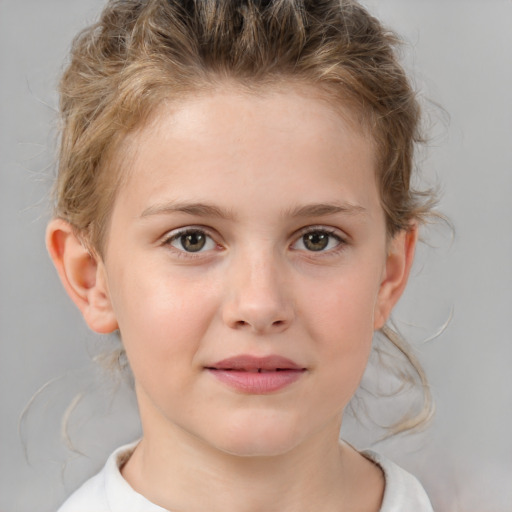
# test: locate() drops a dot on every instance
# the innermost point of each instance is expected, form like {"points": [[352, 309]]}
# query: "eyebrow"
{"points": [[324, 209], [209, 210], [196, 209]]}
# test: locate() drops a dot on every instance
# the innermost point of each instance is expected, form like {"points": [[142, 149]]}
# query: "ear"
{"points": [[396, 273], [83, 276]]}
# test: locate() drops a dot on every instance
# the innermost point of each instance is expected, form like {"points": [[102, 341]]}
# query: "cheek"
{"points": [[343, 309], [340, 320], [162, 317]]}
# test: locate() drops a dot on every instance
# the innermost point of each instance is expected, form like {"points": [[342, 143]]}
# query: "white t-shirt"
{"points": [[108, 491]]}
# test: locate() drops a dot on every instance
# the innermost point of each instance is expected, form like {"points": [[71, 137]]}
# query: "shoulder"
{"points": [[108, 491], [402, 492], [91, 496]]}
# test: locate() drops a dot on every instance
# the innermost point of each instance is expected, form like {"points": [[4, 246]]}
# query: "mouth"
{"points": [[251, 370], [246, 363], [257, 375]]}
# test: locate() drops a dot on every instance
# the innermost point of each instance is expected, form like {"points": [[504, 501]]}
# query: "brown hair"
{"points": [[143, 52]]}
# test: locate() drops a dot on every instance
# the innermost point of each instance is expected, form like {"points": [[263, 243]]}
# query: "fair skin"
{"points": [[286, 256]]}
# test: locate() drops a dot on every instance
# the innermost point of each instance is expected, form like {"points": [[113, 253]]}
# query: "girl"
{"points": [[234, 198]]}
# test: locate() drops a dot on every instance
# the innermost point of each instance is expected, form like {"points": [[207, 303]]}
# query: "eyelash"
{"points": [[332, 233], [191, 230], [182, 253]]}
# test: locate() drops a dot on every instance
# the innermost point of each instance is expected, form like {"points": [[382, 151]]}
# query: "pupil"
{"points": [[316, 241], [193, 242]]}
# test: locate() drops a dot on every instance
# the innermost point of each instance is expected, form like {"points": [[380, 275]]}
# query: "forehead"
{"points": [[289, 142]]}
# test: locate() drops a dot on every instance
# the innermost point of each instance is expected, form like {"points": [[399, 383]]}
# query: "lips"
{"points": [[257, 375], [256, 364]]}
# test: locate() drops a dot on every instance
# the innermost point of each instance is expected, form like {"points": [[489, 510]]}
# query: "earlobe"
{"points": [[83, 276], [396, 273]]}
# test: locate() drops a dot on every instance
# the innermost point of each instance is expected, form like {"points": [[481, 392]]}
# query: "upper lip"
{"points": [[253, 364]]}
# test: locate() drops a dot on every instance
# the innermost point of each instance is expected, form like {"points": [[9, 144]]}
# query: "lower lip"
{"points": [[257, 383]]}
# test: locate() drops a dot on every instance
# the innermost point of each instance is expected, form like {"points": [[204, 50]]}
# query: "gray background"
{"points": [[461, 55]]}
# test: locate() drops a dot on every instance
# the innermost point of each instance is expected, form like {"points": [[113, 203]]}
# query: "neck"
{"points": [[192, 477], [179, 471]]}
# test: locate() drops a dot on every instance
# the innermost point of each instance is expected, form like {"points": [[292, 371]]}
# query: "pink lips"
{"points": [[256, 375]]}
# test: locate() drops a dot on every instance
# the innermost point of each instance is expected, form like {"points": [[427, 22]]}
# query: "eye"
{"points": [[318, 240], [191, 240]]}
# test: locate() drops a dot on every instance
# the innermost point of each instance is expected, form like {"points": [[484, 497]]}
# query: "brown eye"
{"points": [[316, 241], [192, 241]]}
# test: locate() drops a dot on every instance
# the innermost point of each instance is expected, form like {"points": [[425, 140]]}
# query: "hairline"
{"points": [[124, 150]]}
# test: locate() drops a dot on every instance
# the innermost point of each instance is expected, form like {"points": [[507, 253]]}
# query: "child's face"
{"points": [[249, 226]]}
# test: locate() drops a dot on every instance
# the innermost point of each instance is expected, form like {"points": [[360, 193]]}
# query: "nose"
{"points": [[258, 297]]}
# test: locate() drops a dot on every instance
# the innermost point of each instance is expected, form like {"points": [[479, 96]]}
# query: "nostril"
{"points": [[243, 323]]}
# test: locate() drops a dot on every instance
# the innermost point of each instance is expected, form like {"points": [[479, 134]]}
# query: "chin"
{"points": [[258, 439], [257, 447]]}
